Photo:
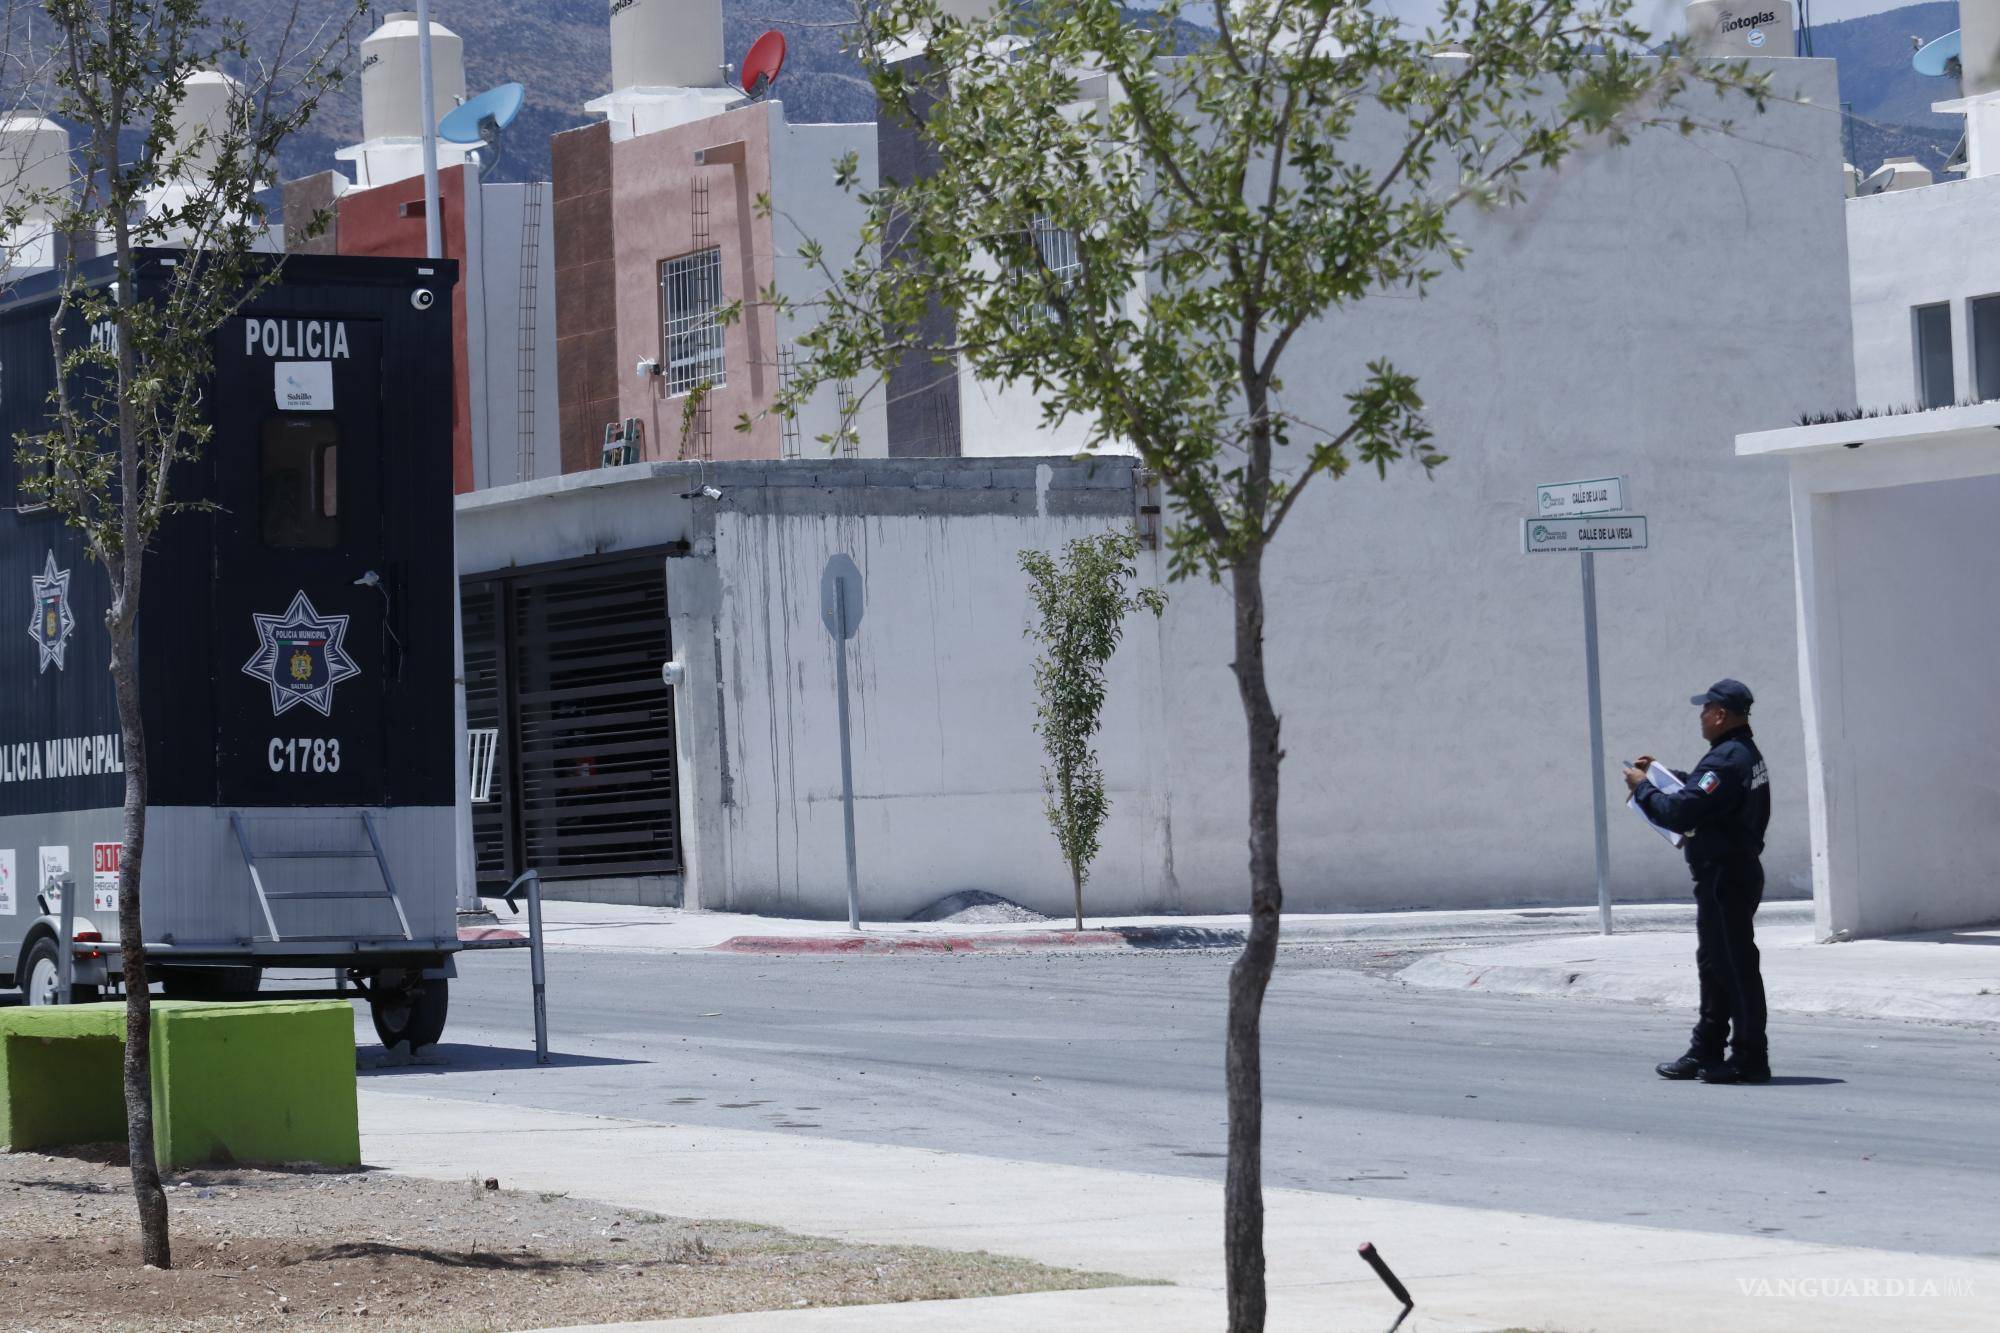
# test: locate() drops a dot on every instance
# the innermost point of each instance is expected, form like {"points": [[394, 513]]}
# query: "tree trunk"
{"points": [[1243, 1197], [152, 1199], [1076, 878]]}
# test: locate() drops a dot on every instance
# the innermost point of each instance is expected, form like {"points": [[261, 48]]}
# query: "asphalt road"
{"points": [[1877, 1134]]}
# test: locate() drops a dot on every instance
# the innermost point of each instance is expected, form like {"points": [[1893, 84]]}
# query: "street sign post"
{"points": [[840, 604], [1560, 525]]}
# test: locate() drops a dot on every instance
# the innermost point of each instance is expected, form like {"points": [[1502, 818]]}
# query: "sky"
{"points": [[1658, 15]]}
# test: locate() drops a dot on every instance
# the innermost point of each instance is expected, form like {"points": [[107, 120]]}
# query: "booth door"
{"points": [[304, 600]]}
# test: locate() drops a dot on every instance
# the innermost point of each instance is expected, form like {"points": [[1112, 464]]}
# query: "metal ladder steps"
{"points": [[334, 939], [373, 853]]}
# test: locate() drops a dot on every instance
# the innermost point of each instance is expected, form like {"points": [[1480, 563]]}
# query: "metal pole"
{"points": [[433, 233], [463, 858], [1596, 741], [846, 756], [537, 974], [66, 956], [536, 970]]}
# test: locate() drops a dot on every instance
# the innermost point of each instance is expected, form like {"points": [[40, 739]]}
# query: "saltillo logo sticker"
{"points": [[304, 386], [301, 657], [53, 622]]}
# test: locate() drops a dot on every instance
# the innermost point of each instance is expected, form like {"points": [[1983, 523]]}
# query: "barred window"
{"points": [[691, 291], [1056, 248]]}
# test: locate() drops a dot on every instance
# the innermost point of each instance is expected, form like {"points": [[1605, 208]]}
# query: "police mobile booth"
{"points": [[295, 654]]}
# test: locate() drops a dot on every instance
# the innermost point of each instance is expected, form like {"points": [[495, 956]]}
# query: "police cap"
{"points": [[1731, 694]]}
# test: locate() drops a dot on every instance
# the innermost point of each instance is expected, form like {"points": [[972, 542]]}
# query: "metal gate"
{"points": [[563, 665]]}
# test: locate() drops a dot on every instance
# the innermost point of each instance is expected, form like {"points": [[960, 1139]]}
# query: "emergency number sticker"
{"points": [[7, 881], [1708, 782], [104, 875]]}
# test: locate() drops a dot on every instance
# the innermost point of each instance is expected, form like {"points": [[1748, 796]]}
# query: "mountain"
{"points": [[561, 51], [1889, 102]]}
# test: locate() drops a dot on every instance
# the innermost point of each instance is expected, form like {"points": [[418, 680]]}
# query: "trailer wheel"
{"points": [[41, 979], [408, 1008], [211, 983]]}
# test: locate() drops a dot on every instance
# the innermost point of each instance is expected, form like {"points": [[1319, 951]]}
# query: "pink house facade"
{"points": [[676, 210]]}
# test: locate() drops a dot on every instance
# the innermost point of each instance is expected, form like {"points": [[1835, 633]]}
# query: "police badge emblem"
{"points": [[53, 621], [301, 657]]}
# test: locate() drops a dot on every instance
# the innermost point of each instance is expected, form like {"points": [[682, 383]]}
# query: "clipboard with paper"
{"points": [[1657, 774]]}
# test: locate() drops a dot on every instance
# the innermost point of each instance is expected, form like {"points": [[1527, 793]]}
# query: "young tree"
{"points": [[1220, 196], [128, 401], [1080, 609]]}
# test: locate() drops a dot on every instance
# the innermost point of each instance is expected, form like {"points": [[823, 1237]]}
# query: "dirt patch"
{"points": [[265, 1249]]}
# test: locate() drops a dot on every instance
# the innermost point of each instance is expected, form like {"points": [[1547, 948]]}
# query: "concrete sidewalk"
{"points": [[572, 925], [1951, 976], [1469, 1268]]}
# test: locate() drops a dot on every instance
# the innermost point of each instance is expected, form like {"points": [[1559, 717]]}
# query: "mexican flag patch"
{"points": [[1708, 782]]}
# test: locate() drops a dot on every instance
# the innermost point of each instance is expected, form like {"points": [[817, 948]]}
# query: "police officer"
{"points": [[1722, 808]]}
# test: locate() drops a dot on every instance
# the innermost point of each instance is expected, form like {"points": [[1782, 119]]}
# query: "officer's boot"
{"points": [[1687, 1067]]}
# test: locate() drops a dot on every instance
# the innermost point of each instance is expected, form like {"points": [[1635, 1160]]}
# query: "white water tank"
{"points": [[1978, 47], [1722, 29], [1896, 173], [204, 107], [34, 159], [392, 104], [667, 44]]}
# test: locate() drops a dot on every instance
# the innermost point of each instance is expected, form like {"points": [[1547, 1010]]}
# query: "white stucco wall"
{"points": [[1919, 714], [998, 421], [1653, 239], [808, 204], [946, 762], [1910, 248], [500, 325], [1431, 677]]}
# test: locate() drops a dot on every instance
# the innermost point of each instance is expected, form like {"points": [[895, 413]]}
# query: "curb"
{"points": [[1680, 989], [1121, 937], [490, 937]]}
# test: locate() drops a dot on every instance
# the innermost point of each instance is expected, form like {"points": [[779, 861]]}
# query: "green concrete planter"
{"points": [[267, 1081]]}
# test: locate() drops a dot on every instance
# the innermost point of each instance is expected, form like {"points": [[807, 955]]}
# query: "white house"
{"points": [[1893, 505]]}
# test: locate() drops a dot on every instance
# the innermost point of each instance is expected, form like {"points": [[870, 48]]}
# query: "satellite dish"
{"points": [[761, 66], [1937, 58], [482, 119]]}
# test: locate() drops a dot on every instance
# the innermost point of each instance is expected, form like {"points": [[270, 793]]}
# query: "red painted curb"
{"points": [[878, 944], [491, 937]]}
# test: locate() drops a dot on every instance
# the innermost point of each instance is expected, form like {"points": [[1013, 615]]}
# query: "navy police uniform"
{"points": [[1723, 809]]}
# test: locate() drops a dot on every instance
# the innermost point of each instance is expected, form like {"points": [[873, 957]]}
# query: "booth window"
{"points": [[1983, 314], [298, 483], [1934, 376]]}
